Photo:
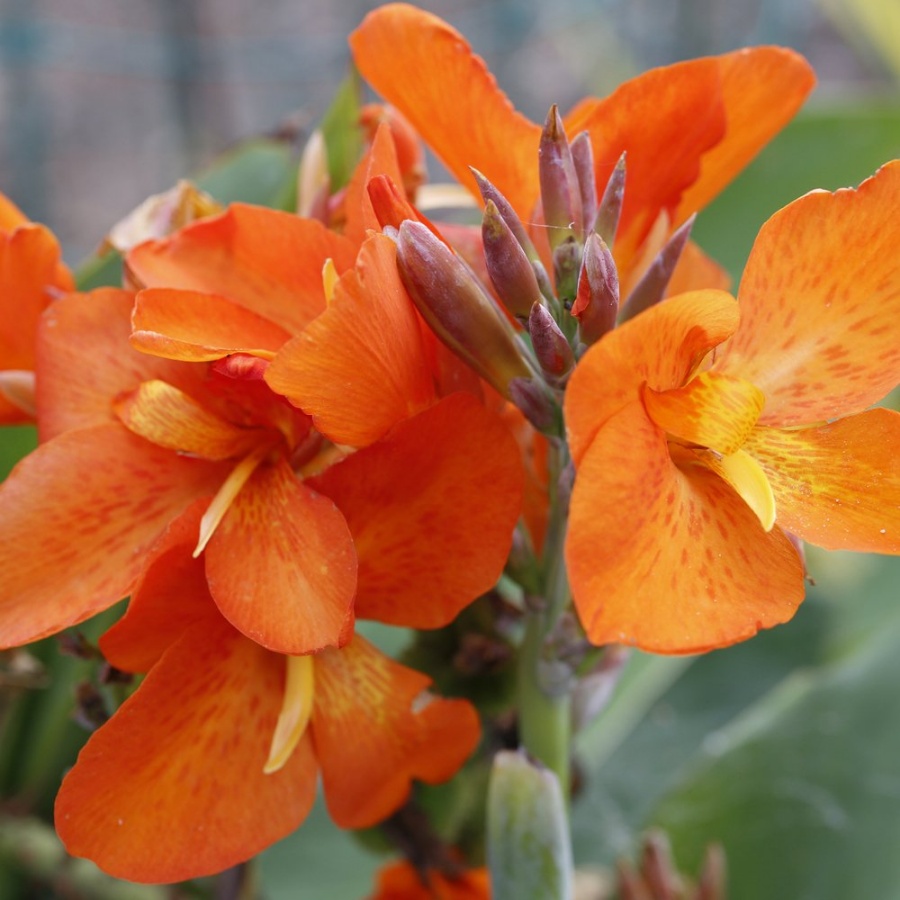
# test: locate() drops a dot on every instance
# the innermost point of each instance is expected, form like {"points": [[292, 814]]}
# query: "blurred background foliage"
{"points": [[787, 748]]}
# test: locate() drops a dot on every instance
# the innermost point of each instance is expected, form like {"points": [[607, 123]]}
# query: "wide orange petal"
{"points": [[668, 558], [712, 410], [425, 68], [401, 881], [197, 327], [820, 302], [281, 564], [696, 271], [660, 348], [267, 261], [85, 362], [837, 485], [761, 89], [380, 159], [433, 504], [31, 273], [172, 787], [11, 217], [712, 115], [171, 418], [78, 515], [169, 596], [376, 728], [360, 367]]}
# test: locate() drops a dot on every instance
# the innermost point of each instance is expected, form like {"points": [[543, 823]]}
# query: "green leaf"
{"points": [[528, 847], [340, 128], [261, 171], [802, 790]]}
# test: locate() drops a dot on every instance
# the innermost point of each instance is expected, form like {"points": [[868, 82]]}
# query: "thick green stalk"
{"points": [[544, 682]]}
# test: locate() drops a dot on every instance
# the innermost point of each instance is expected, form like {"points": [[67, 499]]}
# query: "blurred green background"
{"points": [[787, 748]]}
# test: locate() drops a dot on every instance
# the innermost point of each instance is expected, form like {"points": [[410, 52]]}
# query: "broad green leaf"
{"points": [[261, 171], [803, 789]]}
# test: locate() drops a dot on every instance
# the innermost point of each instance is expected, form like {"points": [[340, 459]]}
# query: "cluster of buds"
{"points": [[527, 347]]}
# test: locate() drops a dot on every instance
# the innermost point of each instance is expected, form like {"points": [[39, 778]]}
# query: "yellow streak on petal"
{"points": [[226, 494], [747, 477], [329, 279], [296, 708]]}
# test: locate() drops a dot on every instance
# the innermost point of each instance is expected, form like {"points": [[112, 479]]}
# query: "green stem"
{"points": [[544, 682]]}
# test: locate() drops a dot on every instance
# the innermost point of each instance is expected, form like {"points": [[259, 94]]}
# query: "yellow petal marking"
{"points": [[329, 279], [747, 477], [296, 708], [226, 494]]}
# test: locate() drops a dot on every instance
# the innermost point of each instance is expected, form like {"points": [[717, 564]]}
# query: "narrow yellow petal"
{"points": [[226, 494], [296, 708], [329, 279], [747, 477]]}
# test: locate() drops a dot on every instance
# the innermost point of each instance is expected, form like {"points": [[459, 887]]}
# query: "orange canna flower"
{"points": [[400, 881], [31, 275], [217, 754], [705, 431], [711, 115]]}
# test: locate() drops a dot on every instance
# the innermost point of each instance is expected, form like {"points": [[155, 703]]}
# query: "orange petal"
{"points": [[820, 301], [170, 418], [660, 348], [435, 502], [668, 558], [78, 515], [761, 89], [172, 787], [696, 271], [426, 69], [360, 367], [711, 410], [376, 728], [281, 564], [170, 596], [381, 159], [267, 261], [712, 115], [30, 275], [197, 327], [11, 217], [85, 361], [837, 486], [401, 881]]}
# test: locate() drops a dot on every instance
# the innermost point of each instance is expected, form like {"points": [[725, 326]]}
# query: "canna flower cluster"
{"points": [[281, 424]]}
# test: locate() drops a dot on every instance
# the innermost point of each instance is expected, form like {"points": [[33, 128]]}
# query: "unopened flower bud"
{"points": [[597, 301], [391, 207], [507, 264], [711, 885], [652, 286], [457, 309], [606, 223], [583, 159], [550, 345], [560, 194], [566, 265], [490, 193]]}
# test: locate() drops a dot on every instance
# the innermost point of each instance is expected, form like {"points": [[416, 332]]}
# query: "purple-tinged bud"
{"points": [[509, 216], [550, 345], [456, 307], [560, 194], [607, 222], [652, 286], [537, 403], [658, 868], [583, 158], [597, 301], [507, 264]]}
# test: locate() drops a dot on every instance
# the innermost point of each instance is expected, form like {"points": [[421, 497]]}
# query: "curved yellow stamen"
{"points": [[747, 477], [296, 709], [17, 386], [226, 494]]}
